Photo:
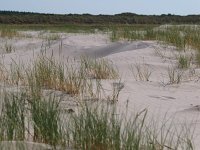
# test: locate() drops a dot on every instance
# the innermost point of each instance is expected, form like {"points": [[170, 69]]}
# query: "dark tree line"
{"points": [[14, 17]]}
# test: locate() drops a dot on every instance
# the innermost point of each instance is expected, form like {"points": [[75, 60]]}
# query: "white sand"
{"points": [[179, 102]]}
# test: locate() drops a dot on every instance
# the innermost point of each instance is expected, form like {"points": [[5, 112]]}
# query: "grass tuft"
{"points": [[46, 121], [98, 68], [12, 120], [183, 62], [141, 72], [175, 75]]}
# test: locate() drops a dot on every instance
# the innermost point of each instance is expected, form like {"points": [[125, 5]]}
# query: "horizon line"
{"points": [[86, 13]]}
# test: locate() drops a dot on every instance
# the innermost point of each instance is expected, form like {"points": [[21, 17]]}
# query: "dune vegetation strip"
{"points": [[8, 33], [49, 73], [183, 37]]}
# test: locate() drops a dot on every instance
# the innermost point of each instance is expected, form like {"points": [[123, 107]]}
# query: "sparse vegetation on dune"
{"points": [[182, 37], [28, 114], [95, 126], [182, 41], [49, 73]]}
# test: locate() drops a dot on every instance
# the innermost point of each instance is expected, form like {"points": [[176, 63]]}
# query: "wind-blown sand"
{"points": [[180, 102]]}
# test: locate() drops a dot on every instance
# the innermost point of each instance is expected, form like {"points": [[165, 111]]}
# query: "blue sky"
{"points": [[180, 7]]}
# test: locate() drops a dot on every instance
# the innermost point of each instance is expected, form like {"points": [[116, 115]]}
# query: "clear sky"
{"points": [[179, 7]]}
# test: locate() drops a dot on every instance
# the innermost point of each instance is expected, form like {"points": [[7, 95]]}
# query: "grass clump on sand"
{"points": [[141, 72], [175, 75], [46, 122], [26, 117], [54, 74], [183, 62], [14, 74], [98, 68], [100, 127], [12, 119], [48, 73]]}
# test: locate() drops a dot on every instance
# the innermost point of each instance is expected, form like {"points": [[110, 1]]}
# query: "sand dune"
{"points": [[116, 47], [179, 101]]}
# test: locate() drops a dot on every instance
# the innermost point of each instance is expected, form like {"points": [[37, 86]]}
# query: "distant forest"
{"points": [[14, 17]]}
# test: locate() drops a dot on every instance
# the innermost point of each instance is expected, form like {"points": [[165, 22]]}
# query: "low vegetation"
{"points": [[98, 69], [141, 71], [182, 37], [94, 126], [8, 33], [197, 58], [28, 114], [49, 73], [184, 62], [175, 75]]}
